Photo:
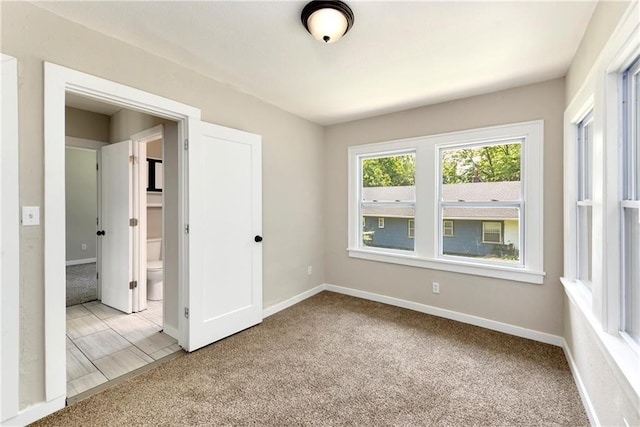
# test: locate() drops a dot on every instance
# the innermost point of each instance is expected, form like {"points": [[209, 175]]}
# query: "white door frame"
{"points": [[9, 240], [57, 81], [140, 141]]}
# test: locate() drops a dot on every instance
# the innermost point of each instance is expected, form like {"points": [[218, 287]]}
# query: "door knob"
{"points": [[258, 239], [100, 233]]}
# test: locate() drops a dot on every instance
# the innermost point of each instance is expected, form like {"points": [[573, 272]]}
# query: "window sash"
{"points": [[584, 215], [390, 205], [631, 148], [630, 208], [585, 157], [631, 270]]}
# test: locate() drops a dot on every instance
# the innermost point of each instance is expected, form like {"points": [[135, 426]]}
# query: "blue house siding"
{"points": [[467, 239], [394, 235]]}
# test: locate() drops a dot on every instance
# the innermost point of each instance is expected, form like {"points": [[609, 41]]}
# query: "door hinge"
{"points": [[97, 275], [97, 167], [186, 229], [186, 312], [133, 284], [133, 159], [133, 222], [186, 144]]}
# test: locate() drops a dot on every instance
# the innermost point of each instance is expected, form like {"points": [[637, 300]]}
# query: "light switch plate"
{"points": [[31, 215]]}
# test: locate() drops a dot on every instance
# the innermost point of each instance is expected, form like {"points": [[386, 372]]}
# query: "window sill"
{"points": [[517, 274], [624, 361]]}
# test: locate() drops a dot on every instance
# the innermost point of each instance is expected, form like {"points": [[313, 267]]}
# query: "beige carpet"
{"points": [[338, 360]]}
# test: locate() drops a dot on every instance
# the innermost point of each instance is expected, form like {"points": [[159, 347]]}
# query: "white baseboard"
{"points": [[582, 390], [35, 412], [291, 301], [81, 261], [453, 315]]}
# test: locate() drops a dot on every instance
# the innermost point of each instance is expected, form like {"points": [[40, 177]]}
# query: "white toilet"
{"points": [[154, 269]]}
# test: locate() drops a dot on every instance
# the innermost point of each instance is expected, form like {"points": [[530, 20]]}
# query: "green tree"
{"points": [[490, 163], [389, 171]]}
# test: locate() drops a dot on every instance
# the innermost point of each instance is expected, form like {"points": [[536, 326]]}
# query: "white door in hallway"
{"points": [[117, 240], [224, 237]]}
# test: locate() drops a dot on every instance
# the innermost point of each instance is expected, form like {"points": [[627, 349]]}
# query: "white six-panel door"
{"points": [[225, 226], [116, 206]]}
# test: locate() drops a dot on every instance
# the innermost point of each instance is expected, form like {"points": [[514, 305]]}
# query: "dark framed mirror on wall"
{"points": [[154, 172]]}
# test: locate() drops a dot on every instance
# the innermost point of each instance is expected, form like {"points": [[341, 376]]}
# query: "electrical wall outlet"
{"points": [[84, 246], [309, 270], [436, 288]]}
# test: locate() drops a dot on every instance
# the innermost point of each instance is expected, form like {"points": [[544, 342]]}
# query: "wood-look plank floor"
{"points": [[104, 343]]}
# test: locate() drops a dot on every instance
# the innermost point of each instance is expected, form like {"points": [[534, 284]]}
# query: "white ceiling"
{"points": [[398, 54]]}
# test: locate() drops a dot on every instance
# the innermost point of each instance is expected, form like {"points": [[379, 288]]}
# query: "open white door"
{"points": [[117, 242], [225, 226]]}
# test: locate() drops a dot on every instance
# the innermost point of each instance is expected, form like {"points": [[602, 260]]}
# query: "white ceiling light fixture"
{"points": [[327, 21]]}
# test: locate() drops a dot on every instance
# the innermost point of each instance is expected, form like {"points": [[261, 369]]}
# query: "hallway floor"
{"points": [[104, 343]]}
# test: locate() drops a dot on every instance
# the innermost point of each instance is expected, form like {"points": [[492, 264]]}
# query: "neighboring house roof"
{"points": [[477, 191]]}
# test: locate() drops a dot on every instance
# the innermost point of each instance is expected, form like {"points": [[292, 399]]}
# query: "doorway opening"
{"points": [[213, 164], [117, 309]]}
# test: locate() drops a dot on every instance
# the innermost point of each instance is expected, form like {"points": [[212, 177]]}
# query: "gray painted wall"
{"points": [[536, 307], [81, 203], [293, 220], [86, 124]]}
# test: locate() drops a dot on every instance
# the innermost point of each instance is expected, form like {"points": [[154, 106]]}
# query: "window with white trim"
{"points": [[492, 232], [630, 205], [584, 204], [481, 187], [421, 180], [447, 228], [386, 188]]}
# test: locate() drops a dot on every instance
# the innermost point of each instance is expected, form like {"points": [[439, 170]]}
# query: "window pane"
{"points": [[585, 157], [584, 244], [484, 232], [636, 139], [632, 272], [388, 201], [389, 171], [394, 235], [481, 173]]}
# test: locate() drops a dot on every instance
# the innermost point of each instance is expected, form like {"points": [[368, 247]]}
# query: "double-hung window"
{"points": [[583, 203], [386, 188], [487, 183], [630, 205], [481, 187]]}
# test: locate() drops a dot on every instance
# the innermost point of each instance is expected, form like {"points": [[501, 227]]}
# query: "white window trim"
{"points": [[426, 251], [380, 222], [483, 232], [444, 228], [409, 228], [601, 307]]}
